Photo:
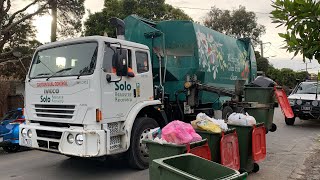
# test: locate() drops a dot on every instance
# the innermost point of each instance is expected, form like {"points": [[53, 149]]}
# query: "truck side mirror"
{"points": [[121, 62]]}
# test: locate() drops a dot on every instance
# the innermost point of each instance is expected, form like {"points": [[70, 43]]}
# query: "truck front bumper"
{"points": [[55, 139]]}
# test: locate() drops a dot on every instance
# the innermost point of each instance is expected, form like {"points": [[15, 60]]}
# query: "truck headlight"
{"points": [[292, 102], [70, 138], [299, 102], [314, 103], [79, 139], [29, 133], [24, 133]]}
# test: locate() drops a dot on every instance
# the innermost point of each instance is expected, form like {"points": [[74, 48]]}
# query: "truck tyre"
{"points": [[289, 121], [11, 149], [138, 153]]}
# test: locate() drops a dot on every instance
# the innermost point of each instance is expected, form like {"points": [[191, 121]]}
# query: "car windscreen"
{"points": [[12, 115], [66, 60], [308, 88]]}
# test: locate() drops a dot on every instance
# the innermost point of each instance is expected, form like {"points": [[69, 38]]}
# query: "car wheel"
{"points": [[138, 155], [11, 149], [289, 121]]}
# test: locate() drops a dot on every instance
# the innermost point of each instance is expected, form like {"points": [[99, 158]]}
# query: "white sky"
{"points": [[198, 9]]}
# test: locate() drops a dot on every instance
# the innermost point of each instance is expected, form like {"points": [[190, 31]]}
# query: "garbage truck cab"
{"points": [[82, 101]]}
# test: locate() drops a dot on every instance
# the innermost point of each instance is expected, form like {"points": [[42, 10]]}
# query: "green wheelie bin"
{"points": [[264, 113], [156, 150], [190, 167], [224, 147], [262, 95], [249, 139]]}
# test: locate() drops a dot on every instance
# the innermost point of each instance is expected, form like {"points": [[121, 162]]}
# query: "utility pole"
{"points": [[261, 47]]}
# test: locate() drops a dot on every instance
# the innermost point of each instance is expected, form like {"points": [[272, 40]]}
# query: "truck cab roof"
{"points": [[92, 38]]}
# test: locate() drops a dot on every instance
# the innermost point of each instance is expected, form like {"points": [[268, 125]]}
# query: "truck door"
{"points": [[117, 97], [143, 76]]}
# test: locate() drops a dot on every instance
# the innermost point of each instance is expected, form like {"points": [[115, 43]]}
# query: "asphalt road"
{"points": [[288, 148]]}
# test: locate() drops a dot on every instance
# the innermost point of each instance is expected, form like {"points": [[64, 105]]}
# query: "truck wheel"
{"points": [[11, 149], [289, 121], [138, 153]]}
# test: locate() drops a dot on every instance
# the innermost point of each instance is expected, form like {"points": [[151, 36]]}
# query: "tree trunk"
{"points": [[54, 21]]}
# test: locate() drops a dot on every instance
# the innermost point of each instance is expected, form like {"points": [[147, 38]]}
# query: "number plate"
{"points": [[306, 108], [27, 142], [1, 139]]}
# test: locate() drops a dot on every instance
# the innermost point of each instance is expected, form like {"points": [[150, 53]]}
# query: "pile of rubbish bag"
{"points": [[176, 132], [204, 122], [241, 119]]}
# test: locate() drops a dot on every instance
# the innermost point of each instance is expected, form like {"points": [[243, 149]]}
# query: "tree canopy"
{"points": [[301, 18], [262, 62], [156, 10], [238, 23], [18, 34], [66, 17]]}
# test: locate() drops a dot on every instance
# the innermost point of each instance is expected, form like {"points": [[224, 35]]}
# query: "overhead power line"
{"points": [[206, 9]]}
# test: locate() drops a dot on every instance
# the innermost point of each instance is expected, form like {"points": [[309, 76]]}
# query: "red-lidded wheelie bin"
{"points": [[224, 147], [252, 146]]}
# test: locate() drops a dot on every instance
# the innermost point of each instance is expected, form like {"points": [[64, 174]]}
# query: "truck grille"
{"points": [[49, 134], [55, 111]]}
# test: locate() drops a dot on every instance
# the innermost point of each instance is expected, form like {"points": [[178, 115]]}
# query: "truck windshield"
{"points": [[308, 88], [67, 60]]}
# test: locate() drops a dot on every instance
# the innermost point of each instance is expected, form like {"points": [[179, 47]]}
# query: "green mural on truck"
{"points": [[216, 57]]}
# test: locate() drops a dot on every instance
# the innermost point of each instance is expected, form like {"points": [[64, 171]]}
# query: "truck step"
{"points": [[116, 151], [121, 133]]}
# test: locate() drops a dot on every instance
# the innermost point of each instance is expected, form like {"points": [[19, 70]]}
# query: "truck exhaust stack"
{"points": [[120, 27]]}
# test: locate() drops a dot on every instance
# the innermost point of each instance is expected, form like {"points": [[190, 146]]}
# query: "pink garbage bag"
{"points": [[179, 132]]}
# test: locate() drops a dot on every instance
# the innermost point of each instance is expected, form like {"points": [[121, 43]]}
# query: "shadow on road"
{"points": [[89, 166], [307, 124]]}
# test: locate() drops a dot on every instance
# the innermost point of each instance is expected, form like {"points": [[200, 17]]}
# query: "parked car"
{"points": [[305, 101], [9, 130]]}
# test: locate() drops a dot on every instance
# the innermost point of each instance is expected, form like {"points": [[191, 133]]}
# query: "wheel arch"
{"points": [[143, 109]]}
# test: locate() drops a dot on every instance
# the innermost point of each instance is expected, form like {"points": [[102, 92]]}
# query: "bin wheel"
{"points": [[273, 127], [289, 121], [241, 170], [11, 149], [138, 155], [226, 111], [255, 167]]}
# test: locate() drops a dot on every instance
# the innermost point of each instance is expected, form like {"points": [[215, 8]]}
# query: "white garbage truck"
{"points": [[98, 96]]}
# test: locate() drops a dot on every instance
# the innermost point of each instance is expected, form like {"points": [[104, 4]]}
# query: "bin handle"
{"points": [[242, 176], [258, 125], [229, 131], [189, 147]]}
